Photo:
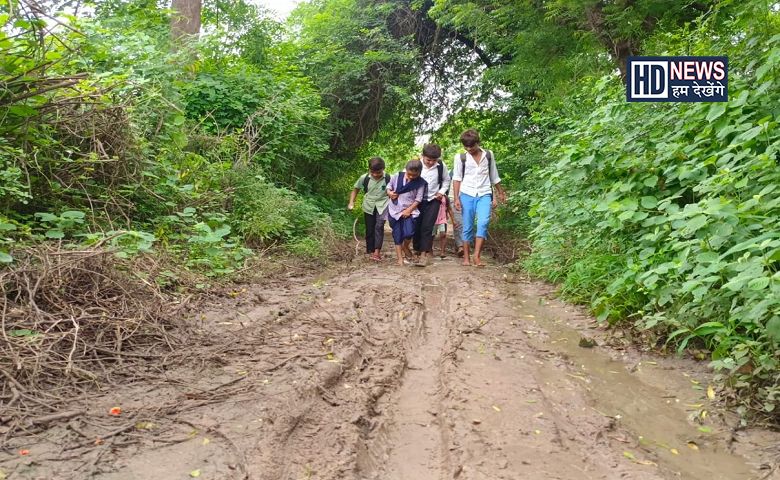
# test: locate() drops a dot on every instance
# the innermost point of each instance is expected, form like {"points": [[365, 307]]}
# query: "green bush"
{"points": [[685, 200], [266, 214]]}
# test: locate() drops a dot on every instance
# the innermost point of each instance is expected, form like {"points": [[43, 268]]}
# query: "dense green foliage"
{"points": [[112, 132], [669, 216]]}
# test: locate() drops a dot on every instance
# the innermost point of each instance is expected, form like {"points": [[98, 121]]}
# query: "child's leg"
{"points": [[417, 241], [379, 235], [469, 206], [399, 253], [370, 228], [426, 225], [442, 243], [405, 246], [484, 205], [397, 239], [457, 232]]}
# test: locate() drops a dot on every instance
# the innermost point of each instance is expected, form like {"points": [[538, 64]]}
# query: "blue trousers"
{"points": [[478, 207], [403, 228]]}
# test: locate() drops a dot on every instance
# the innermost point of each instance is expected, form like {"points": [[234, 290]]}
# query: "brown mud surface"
{"points": [[385, 372]]}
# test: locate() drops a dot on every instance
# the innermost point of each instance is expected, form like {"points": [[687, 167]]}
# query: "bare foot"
{"points": [[478, 262], [466, 263]]}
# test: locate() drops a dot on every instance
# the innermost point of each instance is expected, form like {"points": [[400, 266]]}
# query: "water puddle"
{"points": [[666, 417]]}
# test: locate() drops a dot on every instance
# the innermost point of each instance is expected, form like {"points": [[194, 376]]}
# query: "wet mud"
{"points": [[385, 372]]}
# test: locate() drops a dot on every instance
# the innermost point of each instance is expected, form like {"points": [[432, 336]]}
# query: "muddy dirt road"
{"points": [[383, 372]]}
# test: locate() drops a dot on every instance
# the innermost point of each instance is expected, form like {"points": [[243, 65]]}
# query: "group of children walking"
{"points": [[419, 200]]}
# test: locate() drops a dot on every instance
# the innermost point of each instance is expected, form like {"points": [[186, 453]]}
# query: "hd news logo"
{"points": [[677, 79]]}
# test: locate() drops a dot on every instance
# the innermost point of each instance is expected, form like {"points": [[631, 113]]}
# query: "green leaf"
{"points": [[23, 332], [750, 134], [55, 233], [5, 257], [47, 217], [773, 329], [716, 110], [708, 328], [73, 214], [649, 202], [695, 223], [707, 257], [758, 283]]}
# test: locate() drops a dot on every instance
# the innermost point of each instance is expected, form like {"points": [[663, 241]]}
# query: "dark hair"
{"points": [[431, 150], [414, 166], [469, 138], [376, 164]]}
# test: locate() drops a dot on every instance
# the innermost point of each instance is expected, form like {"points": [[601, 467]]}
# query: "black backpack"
{"points": [[488, 154], [440, 169], [368, 177]]}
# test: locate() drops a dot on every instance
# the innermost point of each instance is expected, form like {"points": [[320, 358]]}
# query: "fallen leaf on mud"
{"points": [[705, 429], [24, 452], [530, 316], [694, 405], [651, 363], [695, 382], [193, 433], [693, 446], [540, 414], [703, 414], [206, 441], [674, 451], [145, 425], [3, 475], [629, 455], [496, 408], [195, 473], [645, 462], [98, 441], [710, 393], [538, 432], [115, 411]]}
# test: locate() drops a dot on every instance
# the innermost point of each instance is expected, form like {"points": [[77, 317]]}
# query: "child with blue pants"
{"points": [[474, 182]]}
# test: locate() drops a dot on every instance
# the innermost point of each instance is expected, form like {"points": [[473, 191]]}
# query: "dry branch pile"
{"points": [[73, 321]]}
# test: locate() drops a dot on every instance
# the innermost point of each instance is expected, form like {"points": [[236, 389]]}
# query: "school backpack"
{"points": [[368, 177], [488, 154], [440, 170]]}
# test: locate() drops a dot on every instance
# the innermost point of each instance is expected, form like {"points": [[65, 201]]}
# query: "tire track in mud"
{"points": [[388, 373], [418, 437]]}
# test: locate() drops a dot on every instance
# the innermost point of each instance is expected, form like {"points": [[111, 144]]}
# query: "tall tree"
{"points": [[186, 17]]}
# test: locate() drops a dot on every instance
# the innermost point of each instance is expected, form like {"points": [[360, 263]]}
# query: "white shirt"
{"points": [[431, 175], [478, 179]]}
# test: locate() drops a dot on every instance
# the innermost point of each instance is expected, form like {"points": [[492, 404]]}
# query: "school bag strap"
{"points": [[440, 170], [491, 166], [367, 177]]}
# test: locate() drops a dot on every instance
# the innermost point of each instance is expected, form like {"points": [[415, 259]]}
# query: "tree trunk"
{"points": [[186, 18]]}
